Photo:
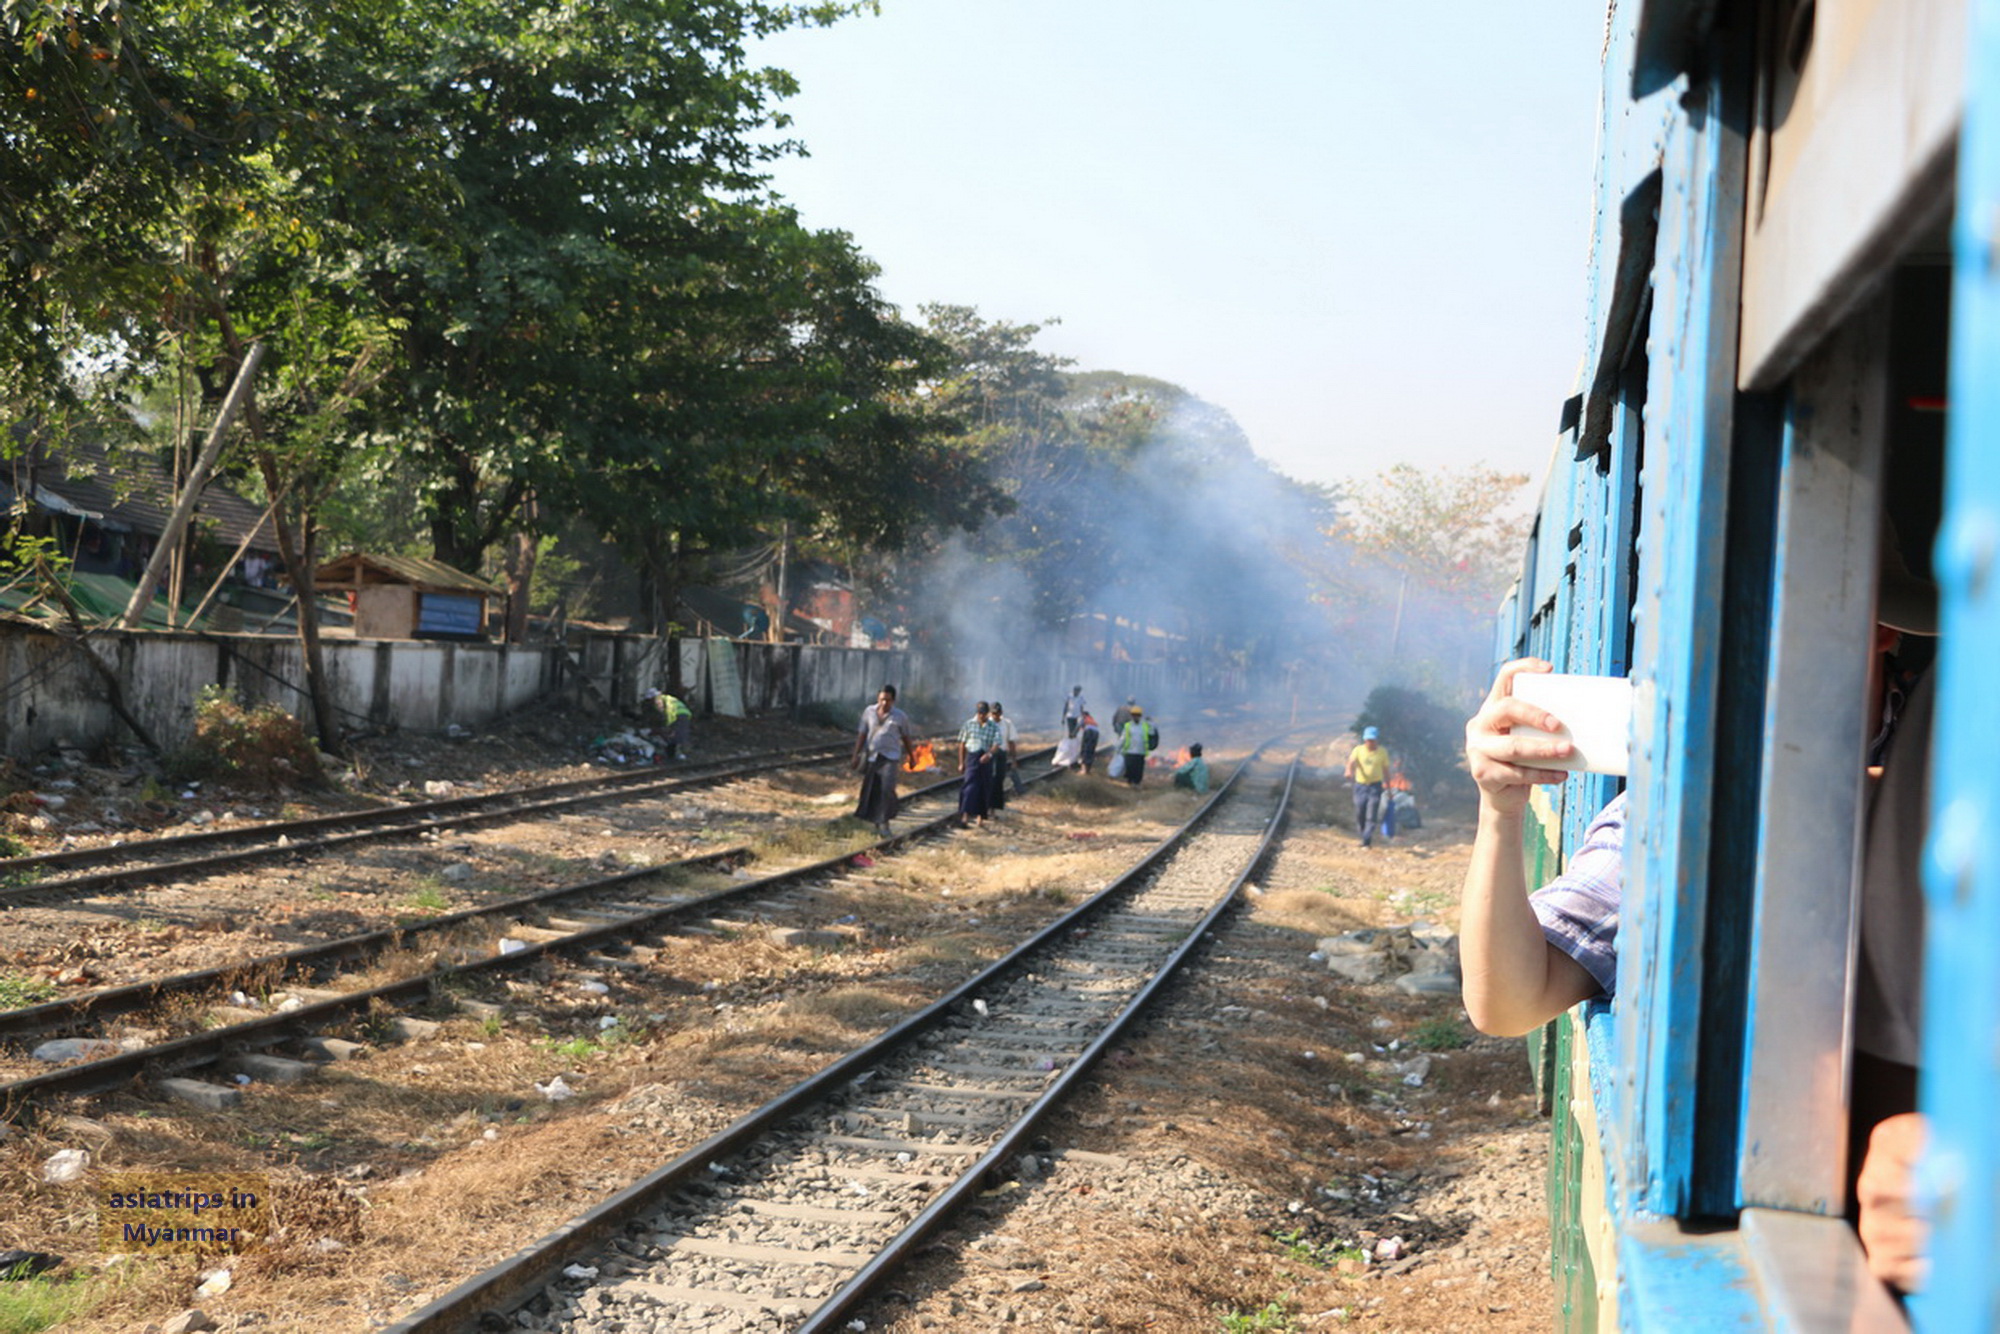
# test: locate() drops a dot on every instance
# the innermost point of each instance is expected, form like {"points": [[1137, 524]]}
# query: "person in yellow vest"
{"points": [[676, 724], [1368, 770]]}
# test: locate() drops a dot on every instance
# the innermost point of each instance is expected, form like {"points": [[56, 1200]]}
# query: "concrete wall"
{"points": [[49, 695]]}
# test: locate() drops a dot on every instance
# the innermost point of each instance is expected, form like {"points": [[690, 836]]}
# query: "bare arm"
{"points": [[1514, 979]]}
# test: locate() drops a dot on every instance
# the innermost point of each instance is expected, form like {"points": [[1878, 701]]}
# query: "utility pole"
{"points": [[1396, 634], [779, 621]]}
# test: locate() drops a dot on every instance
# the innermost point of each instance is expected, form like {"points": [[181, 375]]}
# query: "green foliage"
{"points": [[1439, 1034], [500, 257], [1095, 468], [1427, 738], [10, 846], [30, 1305], [261, 746], [574, 1048], [427, 899], [1272, 1316], [1302, 1249], [22, 554], [619, 1034], [17, 991]]}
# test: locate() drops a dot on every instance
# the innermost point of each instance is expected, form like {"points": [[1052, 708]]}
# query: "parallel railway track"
{"points": [[788, 1219], [40, 878], [602, 915]]}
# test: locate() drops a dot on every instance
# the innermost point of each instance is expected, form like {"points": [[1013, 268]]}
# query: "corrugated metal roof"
{"points": [[133, 494], [362, 568]]}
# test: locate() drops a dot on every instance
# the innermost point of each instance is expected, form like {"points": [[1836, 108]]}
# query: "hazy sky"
{"points": [[1359, 226]]}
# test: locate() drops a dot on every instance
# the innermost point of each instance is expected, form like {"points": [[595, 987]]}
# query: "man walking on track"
{"points": [[879, 747], [978, 741], [1368, 769]]}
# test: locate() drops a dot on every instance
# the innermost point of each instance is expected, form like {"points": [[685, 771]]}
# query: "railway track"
{"points": [[789, 1218], [597, 919], [39, 878]]}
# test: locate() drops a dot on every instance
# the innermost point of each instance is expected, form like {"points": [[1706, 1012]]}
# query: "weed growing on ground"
{"points": [[259, 745], [1301, 1249], [573, 1048], [1439, 1033], [427, 899], [17, 991], [13, 847], [620, 1034], [1272, 1316], [28, 1306]]}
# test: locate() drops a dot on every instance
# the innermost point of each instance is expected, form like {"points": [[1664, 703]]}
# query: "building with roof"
{"points": [[408, 597], [107, 511]]}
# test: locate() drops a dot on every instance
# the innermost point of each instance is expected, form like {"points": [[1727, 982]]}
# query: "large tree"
{"points": [[1432, 550], [597, 162], [788, 396]]}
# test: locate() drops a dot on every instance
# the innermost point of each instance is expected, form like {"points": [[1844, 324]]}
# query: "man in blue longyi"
{"points": [[978, 743]]}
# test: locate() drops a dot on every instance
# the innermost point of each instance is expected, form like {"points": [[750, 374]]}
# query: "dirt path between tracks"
{"points": [[1256, 1158]]}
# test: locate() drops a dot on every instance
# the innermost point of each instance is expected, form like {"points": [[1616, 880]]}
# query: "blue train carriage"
{"points": [[1793, 334]]}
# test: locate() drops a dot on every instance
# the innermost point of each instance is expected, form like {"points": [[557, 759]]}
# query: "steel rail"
{"points": [[198, 1049], [442, 806], [384, 825], [953, 1197], [503, 1287], [50, 1018]]}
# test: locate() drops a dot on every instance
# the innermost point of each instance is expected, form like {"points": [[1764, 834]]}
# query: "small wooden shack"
{"points": [[408, 597]]}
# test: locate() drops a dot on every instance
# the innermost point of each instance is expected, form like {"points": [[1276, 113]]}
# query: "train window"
{"points": [[1861, 439]]}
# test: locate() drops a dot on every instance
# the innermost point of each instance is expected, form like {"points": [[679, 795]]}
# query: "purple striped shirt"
{"points": [[1578, 909]]}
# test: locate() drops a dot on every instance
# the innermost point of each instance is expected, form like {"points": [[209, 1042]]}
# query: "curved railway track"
{"points": [[789, 1218]]}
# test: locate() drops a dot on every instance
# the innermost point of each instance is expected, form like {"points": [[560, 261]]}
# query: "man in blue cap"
{"points": [[1368, 770]]}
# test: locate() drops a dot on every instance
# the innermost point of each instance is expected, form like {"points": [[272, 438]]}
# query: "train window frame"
{"points": [[1792, 1144]]}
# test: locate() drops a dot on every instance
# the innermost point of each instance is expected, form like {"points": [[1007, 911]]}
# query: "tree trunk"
{"points": [[520, 576], [670, 597], [300, 565]]}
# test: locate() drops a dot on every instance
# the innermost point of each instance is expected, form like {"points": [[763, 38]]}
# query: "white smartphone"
{"points": [[1596, 714]]}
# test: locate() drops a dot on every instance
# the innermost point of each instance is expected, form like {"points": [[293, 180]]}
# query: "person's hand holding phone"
{"points": [[1506, 761]]}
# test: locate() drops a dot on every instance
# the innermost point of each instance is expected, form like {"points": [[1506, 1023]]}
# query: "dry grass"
{"points": [[1316, 912], [812, 843], [718, 1022], [856, 1007]]}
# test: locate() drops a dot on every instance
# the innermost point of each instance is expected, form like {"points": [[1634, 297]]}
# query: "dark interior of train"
{"points": [[1888, 970]]}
